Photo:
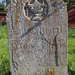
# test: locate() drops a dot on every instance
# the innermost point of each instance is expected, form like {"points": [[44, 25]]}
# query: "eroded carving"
{"points": [[35, 10]]}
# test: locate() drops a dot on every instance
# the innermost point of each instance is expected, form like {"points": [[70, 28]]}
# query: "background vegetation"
{"points": [[70, 3], [3, 5], [4, 54], [71, 50]]}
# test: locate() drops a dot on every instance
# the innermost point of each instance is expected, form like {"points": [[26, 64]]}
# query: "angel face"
{"points": [[36, 9]]}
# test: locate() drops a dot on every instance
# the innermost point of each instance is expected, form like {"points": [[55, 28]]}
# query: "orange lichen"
{"points": [[66, 60], [28, 18], [67, 24], [29, 26], [53, 47], [50, 45], [33, 73], [47, 72], [51, 71], [29, 65], [64, 64], [28, 69], [67, 49]]}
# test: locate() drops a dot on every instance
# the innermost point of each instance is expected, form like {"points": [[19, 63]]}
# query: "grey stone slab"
{"points": [[37, 37]]}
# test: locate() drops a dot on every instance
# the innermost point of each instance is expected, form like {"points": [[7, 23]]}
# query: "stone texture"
{"points": [[37, 37]]}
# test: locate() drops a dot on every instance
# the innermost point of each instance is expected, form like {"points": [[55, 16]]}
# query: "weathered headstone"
{"points": [[37, 36]]}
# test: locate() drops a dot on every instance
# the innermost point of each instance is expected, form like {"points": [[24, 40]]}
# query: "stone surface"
{"points": [[37, 36]]}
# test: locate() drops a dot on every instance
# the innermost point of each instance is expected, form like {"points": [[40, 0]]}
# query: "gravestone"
{"points": [[37, 37]]}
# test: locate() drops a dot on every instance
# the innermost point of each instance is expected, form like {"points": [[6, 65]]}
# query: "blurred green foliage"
{"points": [[71, 50], [70, 4], [2, 8], [4, 54], [8, 1]]}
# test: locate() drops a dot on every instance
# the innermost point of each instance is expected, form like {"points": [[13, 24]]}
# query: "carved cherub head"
{"points": [[36, 9]]}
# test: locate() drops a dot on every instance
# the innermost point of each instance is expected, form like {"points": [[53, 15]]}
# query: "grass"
{"points": [[4, 54], [71, 50]]}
